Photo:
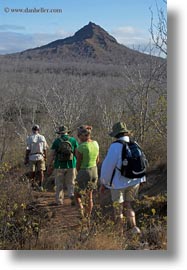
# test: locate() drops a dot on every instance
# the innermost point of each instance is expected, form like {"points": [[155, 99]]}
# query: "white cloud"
{"points": [[128, 35], [63, 33], [16, 42], [10, 27], [13, 42], [125, 30]]}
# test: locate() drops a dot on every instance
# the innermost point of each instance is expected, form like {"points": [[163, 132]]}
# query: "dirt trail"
{"points": [[56, 216], [61, 226]]}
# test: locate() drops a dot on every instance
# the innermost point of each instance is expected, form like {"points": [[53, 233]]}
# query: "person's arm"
{"points": [[79, 159], [27, 152], [51, 161], [27, 157], [76, 144], [97, 159], [45, 146], [45, 154], [109, 165]]}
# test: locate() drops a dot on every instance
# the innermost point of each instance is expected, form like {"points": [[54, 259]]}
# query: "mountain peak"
{"points": [[92, 30], [91, 42], [85, 32]]}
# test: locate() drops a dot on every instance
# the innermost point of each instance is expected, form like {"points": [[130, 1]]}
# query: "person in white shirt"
{"points": [[35, 155], [123, 190]]}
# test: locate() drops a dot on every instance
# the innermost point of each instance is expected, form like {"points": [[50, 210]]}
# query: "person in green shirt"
{"points": [[87, 159], [63, 160]]}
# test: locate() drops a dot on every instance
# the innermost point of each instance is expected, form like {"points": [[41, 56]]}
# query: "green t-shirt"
{"points": [[89, 151], [65, 164]]}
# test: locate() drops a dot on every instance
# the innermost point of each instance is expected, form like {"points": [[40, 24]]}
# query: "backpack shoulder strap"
{"points": [[120, 141], [123, 157], [124, 147], [63, 139], [135, 142]]}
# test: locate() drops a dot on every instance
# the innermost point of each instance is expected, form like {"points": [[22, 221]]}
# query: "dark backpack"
{"points": [[64, 152], [134, 162]]}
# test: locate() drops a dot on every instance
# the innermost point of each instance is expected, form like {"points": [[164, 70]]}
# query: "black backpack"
{"points": [[64, 152], [134, 162]]}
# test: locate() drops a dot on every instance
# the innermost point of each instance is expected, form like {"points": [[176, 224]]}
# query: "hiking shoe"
{"points": [[73, 203], [135, 230], [41, 188], [60, 203]]}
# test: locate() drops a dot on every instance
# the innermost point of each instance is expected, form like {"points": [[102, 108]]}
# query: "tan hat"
{"points": [[63, 130], [118, 128]]}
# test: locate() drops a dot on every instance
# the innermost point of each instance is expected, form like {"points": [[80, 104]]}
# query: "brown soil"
{"points": [[64, 216]]}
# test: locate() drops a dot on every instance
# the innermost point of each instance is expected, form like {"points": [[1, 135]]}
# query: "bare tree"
{"points": [[142, 94], [65, 101], [158, 28]]}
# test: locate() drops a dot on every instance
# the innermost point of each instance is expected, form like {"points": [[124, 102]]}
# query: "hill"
{"points": [[91, 43]]}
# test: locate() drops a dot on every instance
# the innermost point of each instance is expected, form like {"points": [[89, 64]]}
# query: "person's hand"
{"points": [[26, 161], [45, 157], [102, 189], [49, 170]]}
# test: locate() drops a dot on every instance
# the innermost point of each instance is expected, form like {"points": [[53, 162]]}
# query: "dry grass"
{"points": [[17, 226], [24, 229]]}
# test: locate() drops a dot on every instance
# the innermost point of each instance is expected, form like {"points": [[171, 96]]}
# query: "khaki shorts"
{"points": [[37, 165], [126, 194], [87, 178]]}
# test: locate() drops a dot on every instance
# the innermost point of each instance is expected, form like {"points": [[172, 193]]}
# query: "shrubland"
{"points": [[73, 94]]}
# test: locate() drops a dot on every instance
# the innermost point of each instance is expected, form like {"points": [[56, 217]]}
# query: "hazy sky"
{"points": [[30, 23]]}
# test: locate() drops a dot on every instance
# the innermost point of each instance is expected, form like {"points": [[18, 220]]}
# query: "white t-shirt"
{"points": [[36, 143]]}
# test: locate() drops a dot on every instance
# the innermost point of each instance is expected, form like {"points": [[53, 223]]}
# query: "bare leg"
{"points": [[79, 202], [89, 203], [118, 211], [118, 216], [32, 178], [41, 178], [130, 214]]}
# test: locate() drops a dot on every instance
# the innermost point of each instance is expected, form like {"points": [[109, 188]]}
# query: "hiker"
{"points": [[63, 160], [36, 155], [123, 189], [87, 159]]}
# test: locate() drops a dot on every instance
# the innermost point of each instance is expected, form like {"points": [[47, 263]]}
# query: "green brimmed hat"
{"points": [[63, 130], [118, 128]]}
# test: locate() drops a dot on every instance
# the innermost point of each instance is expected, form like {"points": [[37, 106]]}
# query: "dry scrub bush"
{"points": [[17, 228], [104, 234]]}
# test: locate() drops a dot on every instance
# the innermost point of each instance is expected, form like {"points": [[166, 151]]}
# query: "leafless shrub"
{"points": [[18, 229]]}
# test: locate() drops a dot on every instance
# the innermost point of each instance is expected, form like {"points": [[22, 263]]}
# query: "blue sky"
{"points": [[127, 20]]}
